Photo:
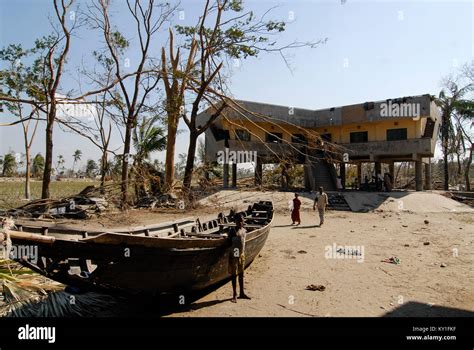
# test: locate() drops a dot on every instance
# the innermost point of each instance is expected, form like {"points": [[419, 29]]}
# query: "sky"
{"points": [[375, 50]]}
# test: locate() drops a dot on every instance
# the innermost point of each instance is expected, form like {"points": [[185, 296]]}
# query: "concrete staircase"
{"points": [[320, 173]]}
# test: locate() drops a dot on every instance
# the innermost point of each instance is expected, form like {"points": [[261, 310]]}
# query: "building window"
{"points": [[396, 134], [242, 135], [360, 136], [274, 137], [299, 138]]}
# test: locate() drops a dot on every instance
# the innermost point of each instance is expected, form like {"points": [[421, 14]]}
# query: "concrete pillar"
{"points": [[378, 168], [418, 175], [226, 175], [428, 175], [234, 174], [258, 171], [359, 173], [342, 173], [307, 179], [391, 170]]}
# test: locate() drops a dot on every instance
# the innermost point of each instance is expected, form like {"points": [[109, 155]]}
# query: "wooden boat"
{"points": [[179, 256]]}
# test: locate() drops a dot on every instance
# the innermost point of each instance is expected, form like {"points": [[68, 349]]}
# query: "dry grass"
{"points": [[12, 192]]}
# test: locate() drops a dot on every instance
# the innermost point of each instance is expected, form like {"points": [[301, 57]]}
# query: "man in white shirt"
{"points": [[321, 200]]}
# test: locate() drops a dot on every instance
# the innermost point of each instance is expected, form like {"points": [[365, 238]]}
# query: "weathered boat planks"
{"points": [[175, 256]]}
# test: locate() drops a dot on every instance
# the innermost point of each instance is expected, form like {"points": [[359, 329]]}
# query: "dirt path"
{"points": [[294, 257], [435, 246]]}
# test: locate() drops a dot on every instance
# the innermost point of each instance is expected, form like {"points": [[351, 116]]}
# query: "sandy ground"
{"points": [[295, 257]]}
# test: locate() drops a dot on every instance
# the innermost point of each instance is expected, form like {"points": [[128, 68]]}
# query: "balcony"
{"points": [[403, 149], [424, 147], [264, 150]]}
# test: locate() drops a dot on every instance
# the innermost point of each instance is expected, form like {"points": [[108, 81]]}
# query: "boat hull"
{"points": [[138, 264]]}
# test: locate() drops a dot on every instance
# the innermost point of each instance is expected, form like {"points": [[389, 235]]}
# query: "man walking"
{"points": [[321, 200]]}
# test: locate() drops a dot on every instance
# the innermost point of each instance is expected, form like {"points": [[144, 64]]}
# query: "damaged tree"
{"points": [[232, 35], [134, 96]]}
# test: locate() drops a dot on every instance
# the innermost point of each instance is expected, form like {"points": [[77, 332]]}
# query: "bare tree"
{"points": [[175, 82], [18, 80], [134, 96], [233, 34], [57, 48]]}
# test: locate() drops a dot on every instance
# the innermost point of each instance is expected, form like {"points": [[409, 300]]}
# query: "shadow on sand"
{"points": [[306, 227], [417, 309]]}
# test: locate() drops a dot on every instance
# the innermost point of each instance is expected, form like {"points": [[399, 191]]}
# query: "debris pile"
{"points": [[160, 201], [90, 201], [76, 207]]}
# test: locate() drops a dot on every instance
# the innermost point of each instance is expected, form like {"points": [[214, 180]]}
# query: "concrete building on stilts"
{"points": [[382, 132]]}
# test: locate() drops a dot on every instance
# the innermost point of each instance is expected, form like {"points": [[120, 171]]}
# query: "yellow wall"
{"points": [[377, 131]]}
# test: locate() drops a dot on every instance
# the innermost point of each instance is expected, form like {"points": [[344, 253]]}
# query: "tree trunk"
{"points": [[467, 168], [48, 161], [446, 169], [126, 152], [188, 171], [27, 170], [458, 156], [445, 140], [27, 173], [170, 150], [103, 169]]}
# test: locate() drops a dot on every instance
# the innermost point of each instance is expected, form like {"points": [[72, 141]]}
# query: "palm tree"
{"points": [[9, 165], [450, 103], [38, 165], [77, 157], [60, 164], [91, 168], [147, 138], [465, 121]]}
